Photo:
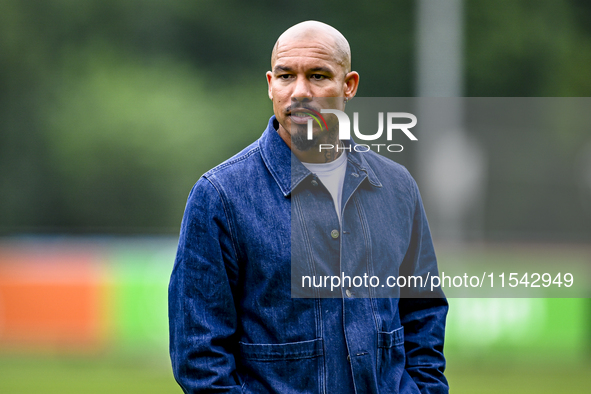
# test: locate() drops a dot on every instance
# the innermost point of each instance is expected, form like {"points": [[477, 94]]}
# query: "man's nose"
{"points": [[301, 89]]}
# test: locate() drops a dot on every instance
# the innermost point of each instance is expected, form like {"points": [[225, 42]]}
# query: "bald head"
{"points": [[314, 30]]}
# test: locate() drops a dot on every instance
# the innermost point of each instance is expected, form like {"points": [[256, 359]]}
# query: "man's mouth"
{"points": [[304, 115], [300, 117], [301, 114]]}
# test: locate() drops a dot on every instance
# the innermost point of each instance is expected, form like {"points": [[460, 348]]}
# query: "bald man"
{"points": [[242, 319]]}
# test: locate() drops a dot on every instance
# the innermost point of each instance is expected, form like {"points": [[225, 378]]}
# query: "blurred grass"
{"points": [[512, 378], [109, 374], [64, 375]]}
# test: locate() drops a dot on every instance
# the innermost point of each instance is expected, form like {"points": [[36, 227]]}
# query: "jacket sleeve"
{"points": [[202, 312], [423, 312]]}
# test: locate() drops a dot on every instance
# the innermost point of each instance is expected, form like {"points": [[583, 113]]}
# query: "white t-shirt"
{"points": [[332, 176]]}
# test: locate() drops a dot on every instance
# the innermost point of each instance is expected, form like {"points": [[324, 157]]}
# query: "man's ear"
{"points": [[269, 78], [351, 84]]}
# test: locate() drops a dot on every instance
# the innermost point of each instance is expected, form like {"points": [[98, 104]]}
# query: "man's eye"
{"points": [[318, 77], [284, 76]]}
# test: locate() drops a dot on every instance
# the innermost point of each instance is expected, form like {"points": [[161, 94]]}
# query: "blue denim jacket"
{"points": [[234, 325]]}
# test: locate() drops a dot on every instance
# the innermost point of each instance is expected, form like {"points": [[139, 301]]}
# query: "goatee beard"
{"points": [[299, 138]]}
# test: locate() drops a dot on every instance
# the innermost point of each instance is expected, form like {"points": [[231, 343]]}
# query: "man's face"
{"points": [[305, 69]]}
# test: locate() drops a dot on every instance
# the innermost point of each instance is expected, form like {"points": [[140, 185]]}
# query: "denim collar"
{"points": [[276, 155]]}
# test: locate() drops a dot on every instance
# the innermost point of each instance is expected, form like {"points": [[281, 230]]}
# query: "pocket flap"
{"points": [[391, 339], [282, 351]]}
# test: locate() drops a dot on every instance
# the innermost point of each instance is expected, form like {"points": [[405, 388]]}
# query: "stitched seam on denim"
{"points": [[274, 359], [184, 366], [228, 218], [315, 349], [295, 200], [370, 168], [231, 162], [340, 257], [413, 189], [271, 170], [365, 176], [366, 170], [293, 184], [417, 250], [243, 385], [394, 338], [411, 184], [274, 355], [369, 254], [306, 342], [310, 259], [399, 340], [344, 203], [320, 328], [322, 372]]}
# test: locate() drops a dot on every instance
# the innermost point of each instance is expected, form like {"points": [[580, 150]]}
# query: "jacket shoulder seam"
{"points": [[226, 209], [232, 161]]}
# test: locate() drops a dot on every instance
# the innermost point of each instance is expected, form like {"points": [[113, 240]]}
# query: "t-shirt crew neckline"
{"points": [[332, 176]]}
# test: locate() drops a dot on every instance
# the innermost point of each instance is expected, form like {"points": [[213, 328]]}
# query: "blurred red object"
{"points": [[51, 300]]}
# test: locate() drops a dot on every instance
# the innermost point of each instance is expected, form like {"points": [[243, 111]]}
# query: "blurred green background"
{"points": [[109, 110]]}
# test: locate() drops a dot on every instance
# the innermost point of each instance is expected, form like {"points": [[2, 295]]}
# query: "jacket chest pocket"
{"points": [[391, 360], [294, 367]]}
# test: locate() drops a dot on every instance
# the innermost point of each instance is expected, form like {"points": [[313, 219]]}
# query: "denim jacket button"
{"points": [[314, 182], [334, 234]]}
